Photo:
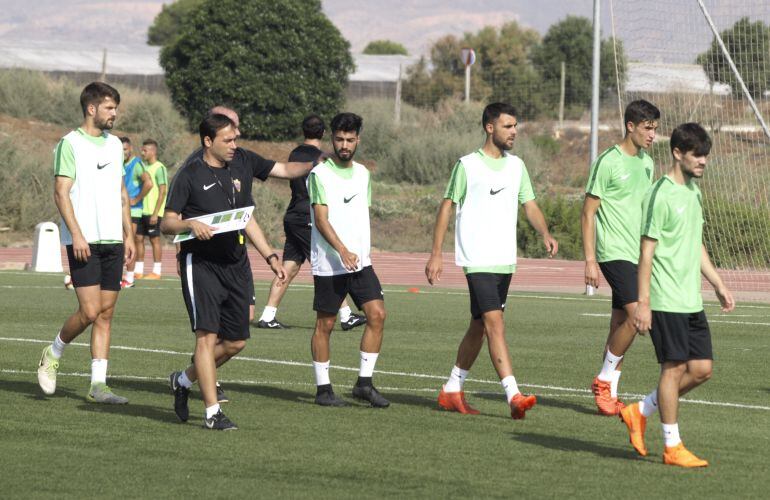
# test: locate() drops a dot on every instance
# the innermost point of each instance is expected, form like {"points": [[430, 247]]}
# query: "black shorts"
{"points": [[363, 286], [297, 245], [621, 275], [144, 228], [488, 291], [217, 295], [680, 336], [136, 220], [104, 267]]}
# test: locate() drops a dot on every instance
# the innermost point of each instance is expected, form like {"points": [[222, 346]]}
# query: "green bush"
{"points": [[563, 217], [274, 61], [30, 94], [737, 235], [26, 182]]}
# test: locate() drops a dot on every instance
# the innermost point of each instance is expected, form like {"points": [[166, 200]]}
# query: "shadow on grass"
{"points": [[135, 410], [561, 443], [32, 390], [567, 405], [151, 386]]}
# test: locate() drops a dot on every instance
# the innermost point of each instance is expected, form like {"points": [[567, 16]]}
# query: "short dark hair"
{"points": [[125, 140], [347, 122], [640, 111], [313, 127], [96, 92], [212, 124], [691, 137], [150, 142], [493, 111]]}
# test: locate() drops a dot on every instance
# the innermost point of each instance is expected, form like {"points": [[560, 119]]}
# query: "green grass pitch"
{"points": [[63, 447]]}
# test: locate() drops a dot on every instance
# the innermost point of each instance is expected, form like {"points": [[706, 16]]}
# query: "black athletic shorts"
{"points": [[680, 336], [621, 275], [297, 245], [144, 228], [217, 295], [104, 267], [136, 220], [363, 286], [489, 291]]}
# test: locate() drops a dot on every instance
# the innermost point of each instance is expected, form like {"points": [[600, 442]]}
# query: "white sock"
{"points": [[671, 435], [344, 313], [130, 276], [510, 386], [456, 380], [614, 383], [212, 410], [98, 371], [184, 380], [368, 360], [649, 405], [321, 373], [57, 348], [139, 268], [610, 363], [156, 267], [268, 314]]}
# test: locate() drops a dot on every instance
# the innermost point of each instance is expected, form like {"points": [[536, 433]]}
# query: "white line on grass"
{"points": [[605, 315], [581, 392]]}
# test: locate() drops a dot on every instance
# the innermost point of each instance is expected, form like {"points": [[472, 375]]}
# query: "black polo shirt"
{"points": [[298, 211], [200, 189]]}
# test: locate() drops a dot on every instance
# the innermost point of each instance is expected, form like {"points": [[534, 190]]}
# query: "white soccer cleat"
{"points": [[46, 371]]}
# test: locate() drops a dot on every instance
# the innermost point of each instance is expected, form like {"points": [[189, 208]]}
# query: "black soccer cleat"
{"points": [[219, 422], [328, 398], [370, 394], [181, 395], [353, 321], [221, 396], [271, 325]]}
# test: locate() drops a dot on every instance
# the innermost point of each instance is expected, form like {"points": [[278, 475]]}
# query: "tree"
{"points": [[264, 58], [170, 19], [384, 48], [502, 70], [571, 41], [749, 46]]}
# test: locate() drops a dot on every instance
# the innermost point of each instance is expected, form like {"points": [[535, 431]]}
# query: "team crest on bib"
{"points": [[237, 184]]}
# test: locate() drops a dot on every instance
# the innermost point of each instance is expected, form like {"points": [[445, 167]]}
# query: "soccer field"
{"points": [[64, 447]]}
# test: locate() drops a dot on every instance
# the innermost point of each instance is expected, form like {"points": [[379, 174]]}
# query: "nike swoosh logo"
{"points": [[680, 210], [493, 192], [100, 166], [624, 177], [206, 188], [347, 200]]}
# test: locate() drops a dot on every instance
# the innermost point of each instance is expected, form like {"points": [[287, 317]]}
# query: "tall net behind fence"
{"points": [[678, 64]]}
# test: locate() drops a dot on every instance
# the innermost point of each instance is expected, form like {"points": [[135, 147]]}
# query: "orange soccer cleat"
{"points": [[637, 424], [681, 456], [455, 401], [152, 276], [606, 404], [520, 404]]}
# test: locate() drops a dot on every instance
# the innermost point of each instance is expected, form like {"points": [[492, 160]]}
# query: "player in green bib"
{"points": [[153, 207], [670, 307], [138, 184], [612, 213], [486, 188]]}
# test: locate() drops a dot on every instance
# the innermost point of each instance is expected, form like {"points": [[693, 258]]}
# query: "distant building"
{"points": [[659, 78]]}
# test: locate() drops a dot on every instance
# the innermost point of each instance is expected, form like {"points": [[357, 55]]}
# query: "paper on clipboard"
{"points": [[222, 222]]}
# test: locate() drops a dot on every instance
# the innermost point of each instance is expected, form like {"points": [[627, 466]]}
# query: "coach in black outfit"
{"points": [[215, 272]]}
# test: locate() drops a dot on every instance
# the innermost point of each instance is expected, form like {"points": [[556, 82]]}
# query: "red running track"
{"points": [[537, 275]]}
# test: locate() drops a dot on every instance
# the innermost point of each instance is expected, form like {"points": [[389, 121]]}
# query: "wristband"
{"points": [[267, 259]]}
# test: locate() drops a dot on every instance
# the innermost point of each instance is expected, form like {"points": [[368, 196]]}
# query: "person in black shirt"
{"points": [[296, 226], [215, 272]]}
